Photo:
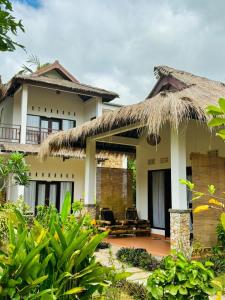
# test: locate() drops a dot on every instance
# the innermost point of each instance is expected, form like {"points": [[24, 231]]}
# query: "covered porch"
{"points": [[169, 135]]}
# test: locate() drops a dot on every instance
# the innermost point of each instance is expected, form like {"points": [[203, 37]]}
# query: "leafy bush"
{"points": [[181, 279], [218, 261], [221, 234], [52, 261], [103, 245], [5, 210], [138, 258], [136, 290]]}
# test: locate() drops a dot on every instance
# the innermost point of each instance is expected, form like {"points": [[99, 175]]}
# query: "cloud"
{"points": [[115, 44]]}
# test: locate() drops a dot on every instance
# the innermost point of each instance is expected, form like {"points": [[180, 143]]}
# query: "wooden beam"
{"points": [[121, 140], [117, 131]]}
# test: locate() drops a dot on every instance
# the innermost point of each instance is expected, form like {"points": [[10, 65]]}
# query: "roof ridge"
{"points": [[55, 65]]}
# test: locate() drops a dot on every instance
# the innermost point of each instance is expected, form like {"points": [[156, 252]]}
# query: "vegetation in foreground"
{"points": [[51, 261]]}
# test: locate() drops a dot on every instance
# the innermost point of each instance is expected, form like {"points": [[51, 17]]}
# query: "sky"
{"points": [[115, 44]]}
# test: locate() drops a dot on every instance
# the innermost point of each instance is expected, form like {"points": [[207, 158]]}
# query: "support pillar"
{"points": [[179, 214], [141, 184], [23, 114], [90, 178], [180, 230]]}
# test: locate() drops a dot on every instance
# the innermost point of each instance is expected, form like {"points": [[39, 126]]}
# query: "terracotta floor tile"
{"points": [[156, 245]]}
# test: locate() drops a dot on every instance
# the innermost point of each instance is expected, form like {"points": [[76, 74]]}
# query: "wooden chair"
{"points": [[142, 226], [108, 222]]}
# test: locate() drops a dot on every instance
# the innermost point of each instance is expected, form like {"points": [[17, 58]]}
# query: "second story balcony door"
{"points": [[39, 127]]}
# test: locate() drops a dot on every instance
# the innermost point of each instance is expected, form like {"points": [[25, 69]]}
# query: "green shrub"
{"points": [[181, 279], [52, 260], [221, 234], [136, 290], [138, 258], [103, 245], [218, 261]]}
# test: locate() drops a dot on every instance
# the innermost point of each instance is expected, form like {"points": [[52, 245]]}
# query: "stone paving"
{"points": [[107, 257]]}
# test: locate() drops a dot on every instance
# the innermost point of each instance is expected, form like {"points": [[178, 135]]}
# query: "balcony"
{"points": [[34, 135]]}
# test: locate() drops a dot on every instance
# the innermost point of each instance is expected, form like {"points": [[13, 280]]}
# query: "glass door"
{"points": [[48, 193]]}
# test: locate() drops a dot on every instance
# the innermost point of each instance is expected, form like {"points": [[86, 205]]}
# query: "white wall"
{"points": [[55, 169], [92, 108], [198, 140], [6, 111], [48, 103]]}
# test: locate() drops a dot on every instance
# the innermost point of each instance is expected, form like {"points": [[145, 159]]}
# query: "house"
{"points": [[169, 134], [44, 102]]}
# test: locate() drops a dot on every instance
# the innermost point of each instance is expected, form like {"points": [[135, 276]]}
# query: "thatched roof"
{"points": [[171, 106], [57, 83], [77, 153]]}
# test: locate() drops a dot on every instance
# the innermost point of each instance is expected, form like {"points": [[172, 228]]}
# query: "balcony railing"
{"points": [[9, 133], [34, 135]]}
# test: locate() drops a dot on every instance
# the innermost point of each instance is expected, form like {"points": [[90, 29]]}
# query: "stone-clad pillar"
{"points": [[180, 230]]}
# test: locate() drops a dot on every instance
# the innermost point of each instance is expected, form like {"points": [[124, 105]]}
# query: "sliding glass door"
{"points": [[47, 193], [159, 203]]}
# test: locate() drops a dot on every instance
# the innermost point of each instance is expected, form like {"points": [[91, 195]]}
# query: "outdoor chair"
{"points": [[108, 222], [142, 226]]}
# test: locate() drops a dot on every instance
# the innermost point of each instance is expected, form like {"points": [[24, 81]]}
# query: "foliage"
{"points": [[136, 290], [218, 261], [8, 26], [5, 210], [138, 258], [181, 279], [45, 213], [13, 167], [51, 262], [32, 65], [131, 165], [103, 245], [221, 234]]}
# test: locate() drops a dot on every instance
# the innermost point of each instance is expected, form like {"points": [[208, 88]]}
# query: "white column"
{"points": [[90, 173], [98, 107], [178, 168], [141, 184], [23, 114]]}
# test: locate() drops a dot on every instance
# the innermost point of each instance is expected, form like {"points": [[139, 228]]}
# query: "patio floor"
{"points": [[155, 244]]}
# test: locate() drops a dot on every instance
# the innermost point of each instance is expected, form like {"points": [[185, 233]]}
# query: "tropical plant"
{"points": [[51, 262], [181, 279], [13, 168], [131, 165], [220, 230], [8, 27], [137, 257], [32, 65]]}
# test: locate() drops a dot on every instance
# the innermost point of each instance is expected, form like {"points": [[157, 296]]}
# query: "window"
{"points": [[38, 127], [67, 124], [46, 193], [33, 121]]}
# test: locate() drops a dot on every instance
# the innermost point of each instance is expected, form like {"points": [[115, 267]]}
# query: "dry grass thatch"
{"points": [[169, 106], [77, 153]]}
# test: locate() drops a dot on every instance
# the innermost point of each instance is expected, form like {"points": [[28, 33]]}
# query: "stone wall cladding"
{"points": [[91, 210], [113, 161], [207, 170], [180, 230], [114, 190]]}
